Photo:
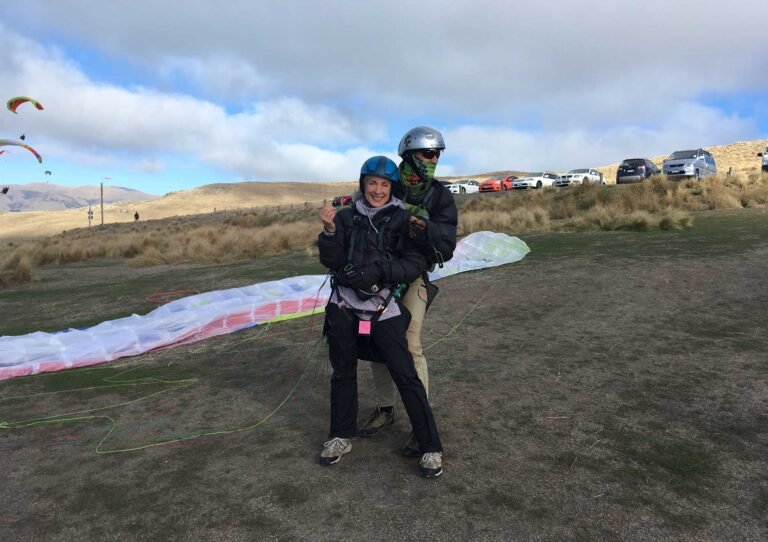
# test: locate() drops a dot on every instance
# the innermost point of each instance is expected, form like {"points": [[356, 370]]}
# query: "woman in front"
{"points": [[371, 259]]}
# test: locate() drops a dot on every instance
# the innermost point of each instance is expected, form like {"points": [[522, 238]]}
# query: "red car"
{"points": [[338, 201], [497, 185]]}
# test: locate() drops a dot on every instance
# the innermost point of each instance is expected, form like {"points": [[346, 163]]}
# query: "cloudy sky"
{"points": [[164, 96]]}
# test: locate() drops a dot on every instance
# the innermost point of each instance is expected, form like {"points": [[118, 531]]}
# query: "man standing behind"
{"points": [[433, 230]]}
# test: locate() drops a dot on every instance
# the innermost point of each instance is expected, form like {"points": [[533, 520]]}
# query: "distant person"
{"points": [[433, 230], [23, 137], [136, 216], [370, 256], [4, 190]]}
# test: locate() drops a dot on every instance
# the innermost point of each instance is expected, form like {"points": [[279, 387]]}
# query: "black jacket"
{"points": [[391, 249], [440, 241]]}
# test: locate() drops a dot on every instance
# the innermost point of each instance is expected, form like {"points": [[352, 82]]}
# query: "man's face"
{"points": [[377, 190]]}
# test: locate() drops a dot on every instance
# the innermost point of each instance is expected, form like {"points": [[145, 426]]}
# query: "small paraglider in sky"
{"points": [[4, 190], [22, 137], [4, 142], [47, 172], [14, 103]]}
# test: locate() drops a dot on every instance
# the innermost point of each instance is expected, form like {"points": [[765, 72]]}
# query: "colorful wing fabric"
{"points": [[4, 142], [15, 102], [205, 315]]}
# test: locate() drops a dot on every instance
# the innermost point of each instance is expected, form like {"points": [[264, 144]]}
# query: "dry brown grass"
{"points": [[656, 204], [228, 237], [209, 199], [234, 237]]}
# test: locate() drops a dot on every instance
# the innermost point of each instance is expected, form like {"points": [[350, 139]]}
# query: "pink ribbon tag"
{"points": [[364, 327]]}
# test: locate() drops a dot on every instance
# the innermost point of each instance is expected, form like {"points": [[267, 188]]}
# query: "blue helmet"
{"points": [[381, 166]]}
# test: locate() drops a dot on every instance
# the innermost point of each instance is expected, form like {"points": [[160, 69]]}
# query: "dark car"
{"points": [[338, 201], [633, 170]]}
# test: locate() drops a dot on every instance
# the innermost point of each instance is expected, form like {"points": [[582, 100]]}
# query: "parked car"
{"points": [[497, 185], [694, 163], [536, 180], [580, 176], [339, 201], [764, 155], [632, 170], [466, 186]]}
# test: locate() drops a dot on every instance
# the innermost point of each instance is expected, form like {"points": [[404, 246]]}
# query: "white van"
{"points": [[764, 154]]}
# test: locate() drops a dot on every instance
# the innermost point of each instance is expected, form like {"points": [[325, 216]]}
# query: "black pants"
{"points": [[389, 342]]}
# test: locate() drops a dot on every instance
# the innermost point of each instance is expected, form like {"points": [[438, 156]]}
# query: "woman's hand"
{"points": [[326, 215]]}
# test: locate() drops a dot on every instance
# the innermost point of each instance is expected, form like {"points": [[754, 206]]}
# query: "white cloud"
{"points": [[218, 75], [689, 125], [150, 165], [491, 56], [94, 123], [302, 89]]}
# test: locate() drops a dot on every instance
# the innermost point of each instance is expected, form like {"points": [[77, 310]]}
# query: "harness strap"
{"points": [[380, 239], [379, 310], [353, 236]]}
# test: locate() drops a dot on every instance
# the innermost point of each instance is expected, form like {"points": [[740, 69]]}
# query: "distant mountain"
{"points": [[53, 197]]}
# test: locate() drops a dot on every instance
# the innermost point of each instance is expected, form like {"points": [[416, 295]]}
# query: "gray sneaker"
{"points": [[378, 421], [431, 465], [334, 449]]}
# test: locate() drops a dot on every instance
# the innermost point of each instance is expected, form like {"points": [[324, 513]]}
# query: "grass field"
{"points": [[658, 204], [612, 385]]}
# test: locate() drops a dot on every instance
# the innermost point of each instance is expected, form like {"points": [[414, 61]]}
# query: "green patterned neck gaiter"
{"points": [[417, 183]]}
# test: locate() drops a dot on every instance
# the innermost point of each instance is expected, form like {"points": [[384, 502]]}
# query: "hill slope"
{"points": [[204, 199], [53, 197], [740, 156]]}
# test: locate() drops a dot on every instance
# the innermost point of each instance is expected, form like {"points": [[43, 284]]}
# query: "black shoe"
{"points": [[411, 448], [378, 421]]}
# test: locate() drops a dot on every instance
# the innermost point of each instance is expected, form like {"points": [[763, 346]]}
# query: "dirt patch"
{"points": [[578, 398]]}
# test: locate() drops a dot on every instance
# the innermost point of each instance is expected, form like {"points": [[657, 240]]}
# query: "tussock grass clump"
{"points": [[232, 238], [519, 219], [659, 203], [656, 204], [17, 269]]}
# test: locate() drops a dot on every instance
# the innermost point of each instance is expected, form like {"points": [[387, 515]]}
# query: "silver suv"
{"points": [[697, 163], [764, 155]]}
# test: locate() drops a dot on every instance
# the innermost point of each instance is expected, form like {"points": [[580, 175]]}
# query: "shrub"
{"points": [[658, 203]]}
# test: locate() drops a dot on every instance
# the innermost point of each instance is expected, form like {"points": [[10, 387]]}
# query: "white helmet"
{"points": [[421, 137]]}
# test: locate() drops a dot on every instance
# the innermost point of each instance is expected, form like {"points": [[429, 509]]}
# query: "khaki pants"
{"points": [[415, 300]]}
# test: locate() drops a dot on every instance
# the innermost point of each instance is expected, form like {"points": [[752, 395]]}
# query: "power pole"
{"points": [[102, 197]]}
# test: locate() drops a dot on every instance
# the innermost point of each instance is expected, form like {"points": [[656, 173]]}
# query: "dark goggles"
{"points": [[429, 154]]}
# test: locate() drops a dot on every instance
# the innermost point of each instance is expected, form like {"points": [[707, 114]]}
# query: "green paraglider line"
{"points": [[67, 418], [472, 308], [73, 417], [185, 383]]}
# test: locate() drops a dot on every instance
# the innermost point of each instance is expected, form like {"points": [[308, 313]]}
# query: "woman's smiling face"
{"points": [[377, 190]]}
